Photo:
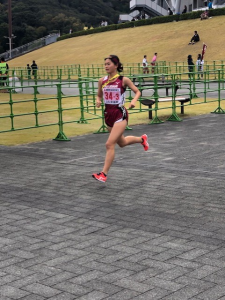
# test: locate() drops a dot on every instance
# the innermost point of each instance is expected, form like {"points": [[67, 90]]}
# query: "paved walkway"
{"points": [[155, 230]]}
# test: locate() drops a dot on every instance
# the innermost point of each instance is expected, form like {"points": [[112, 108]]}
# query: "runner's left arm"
{"points": [[129, 83]]}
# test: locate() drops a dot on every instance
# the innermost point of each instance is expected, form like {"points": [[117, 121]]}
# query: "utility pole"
{"points": [[10, 26], [10, 36]]}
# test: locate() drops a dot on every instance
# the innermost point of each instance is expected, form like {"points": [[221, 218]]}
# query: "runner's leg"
{"points": [[116, 137]]}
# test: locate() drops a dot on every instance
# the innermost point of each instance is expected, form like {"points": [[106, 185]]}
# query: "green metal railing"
{"points": [[72, 72], [79, 106]]}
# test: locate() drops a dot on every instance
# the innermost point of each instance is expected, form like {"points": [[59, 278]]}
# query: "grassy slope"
{"points": [[169, 40]]}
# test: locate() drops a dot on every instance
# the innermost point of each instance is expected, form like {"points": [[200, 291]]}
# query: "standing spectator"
{"points": [[170, 13], [145, 65], [4, 67], [34, 68], [190, 65], [106, 23], [210, 4], [185, 9], [153, 62], [70, 31], [194, 39], [206, 3], [199, 64], [28, 71]]}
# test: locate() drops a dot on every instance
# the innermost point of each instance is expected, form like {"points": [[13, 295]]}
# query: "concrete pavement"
{"points": [[155, 230]]}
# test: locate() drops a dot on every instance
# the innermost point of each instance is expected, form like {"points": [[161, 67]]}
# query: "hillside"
{"points": [[33, 19], [169, 40]]}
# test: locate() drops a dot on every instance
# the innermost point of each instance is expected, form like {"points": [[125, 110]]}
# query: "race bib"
{"points": [[111, 95]]}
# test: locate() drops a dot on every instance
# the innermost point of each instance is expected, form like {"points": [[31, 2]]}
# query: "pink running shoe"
{"points": [[100, 176], [145, 142]]}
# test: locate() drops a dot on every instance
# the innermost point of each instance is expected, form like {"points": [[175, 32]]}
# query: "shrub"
{"points": [[155, 20]]}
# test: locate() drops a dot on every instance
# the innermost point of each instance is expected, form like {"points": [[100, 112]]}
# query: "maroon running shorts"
{"points": [[114, 114]]}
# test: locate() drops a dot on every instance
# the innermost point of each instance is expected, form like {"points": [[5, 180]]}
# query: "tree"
{"points": [[41, 31], [34, 18]]}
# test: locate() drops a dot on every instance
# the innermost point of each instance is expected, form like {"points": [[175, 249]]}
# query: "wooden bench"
{"points": [[149, 102]]}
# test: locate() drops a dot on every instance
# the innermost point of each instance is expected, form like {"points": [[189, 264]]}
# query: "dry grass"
{"points": [[169, 40]]}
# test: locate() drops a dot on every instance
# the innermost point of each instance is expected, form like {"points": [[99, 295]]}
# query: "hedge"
{"points": [[155, 20]]}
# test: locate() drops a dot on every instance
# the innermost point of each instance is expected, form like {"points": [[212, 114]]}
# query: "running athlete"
{"points": [[111, 89]]}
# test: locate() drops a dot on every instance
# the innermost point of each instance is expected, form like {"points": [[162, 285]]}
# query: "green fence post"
{"points": [[156, 120], [44, 79], [51, 74], [214, 68], [11, 109], [61, 135], [194, 84], [208, 75], [174, 117], [37, 73], [60, 79], [222, 74], [82, 119], [219, 109], [176, 67], [205, 88], [58, 76], [35, 87], [69, 75], [21, 80], [35, 109]]}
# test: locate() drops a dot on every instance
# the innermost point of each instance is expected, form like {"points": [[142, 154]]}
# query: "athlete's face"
{"points": [[110, 67]]}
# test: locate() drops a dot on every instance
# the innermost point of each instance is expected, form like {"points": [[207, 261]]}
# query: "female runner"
{"points": [[112, 89]]}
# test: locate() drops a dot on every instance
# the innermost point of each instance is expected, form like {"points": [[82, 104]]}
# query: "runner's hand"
{"points": [[131, 105], [98, 103]]}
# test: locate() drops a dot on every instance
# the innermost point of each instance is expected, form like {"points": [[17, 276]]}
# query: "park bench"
{"points": [[151, 101]]}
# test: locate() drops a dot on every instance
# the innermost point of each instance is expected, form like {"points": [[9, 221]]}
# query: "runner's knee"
{"points": [[109, 145]]}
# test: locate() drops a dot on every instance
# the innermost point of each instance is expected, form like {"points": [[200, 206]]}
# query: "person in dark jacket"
{"points": [[185, 9], [34, 68], [28, 71], [190, 64], [170, 13], [194, 39]]}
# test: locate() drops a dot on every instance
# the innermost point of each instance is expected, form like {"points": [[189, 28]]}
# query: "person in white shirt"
{"points": [[199, 65], [145, 65]]}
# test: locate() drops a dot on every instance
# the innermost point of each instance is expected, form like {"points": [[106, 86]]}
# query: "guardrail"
{"points": [[75, 102], [47, 40], [72, 72]]}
